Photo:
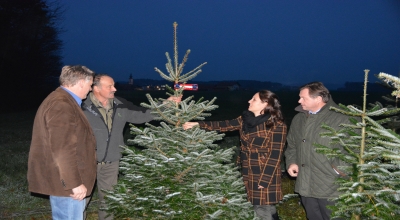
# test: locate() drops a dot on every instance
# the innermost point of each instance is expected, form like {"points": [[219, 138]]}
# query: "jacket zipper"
{"points": [[109, 131]]}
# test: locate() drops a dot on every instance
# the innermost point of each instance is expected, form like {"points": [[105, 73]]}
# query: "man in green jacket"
{"points": [[107, 115], [316, 174]]}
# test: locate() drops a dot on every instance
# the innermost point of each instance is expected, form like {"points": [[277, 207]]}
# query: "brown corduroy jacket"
{"points": [[260, 157], [62, 155]]}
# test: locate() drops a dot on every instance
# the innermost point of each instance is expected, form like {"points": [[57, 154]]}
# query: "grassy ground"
{"points": [[15, 135], [15, 130], [16, 202]]}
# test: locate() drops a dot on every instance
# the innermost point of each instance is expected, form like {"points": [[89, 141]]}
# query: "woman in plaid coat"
{"points": [[262, 137]]}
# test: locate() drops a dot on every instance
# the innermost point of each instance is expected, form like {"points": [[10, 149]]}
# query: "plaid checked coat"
{"points": [[260, 157]]}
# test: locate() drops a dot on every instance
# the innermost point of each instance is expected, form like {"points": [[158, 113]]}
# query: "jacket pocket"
{"points": [[323, 183]]}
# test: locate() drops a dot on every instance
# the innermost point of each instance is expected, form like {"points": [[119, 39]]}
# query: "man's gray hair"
{"points": [[70, 75], [97, 77]]}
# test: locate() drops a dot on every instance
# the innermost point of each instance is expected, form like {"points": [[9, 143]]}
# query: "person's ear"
{"points": [[95, 88], [319, 99], [81, 83]]}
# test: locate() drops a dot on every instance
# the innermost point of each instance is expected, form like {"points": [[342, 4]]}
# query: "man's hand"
{"points": [[293, 170], [189, 125], [79, 192]]}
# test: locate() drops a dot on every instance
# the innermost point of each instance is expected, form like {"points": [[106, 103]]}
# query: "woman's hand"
{"points": [[189, 125], [260, 187], [175, 99]]}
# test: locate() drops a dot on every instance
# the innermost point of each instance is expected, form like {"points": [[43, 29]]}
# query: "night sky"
{"points": [[290, 42]]}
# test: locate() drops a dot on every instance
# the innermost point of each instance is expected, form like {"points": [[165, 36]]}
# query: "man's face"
{"points": [[105, 89], [309, 103], [86, 87]]}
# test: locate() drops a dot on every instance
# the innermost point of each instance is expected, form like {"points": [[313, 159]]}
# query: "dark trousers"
{"points": [[107, 177], [316, 208], [266, 212]]}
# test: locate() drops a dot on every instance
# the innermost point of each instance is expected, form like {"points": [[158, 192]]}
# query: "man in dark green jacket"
{"points": [[316, 174], [107, 116]]}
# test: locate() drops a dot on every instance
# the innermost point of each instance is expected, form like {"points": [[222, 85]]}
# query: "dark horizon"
{"points": [[345, 86]]}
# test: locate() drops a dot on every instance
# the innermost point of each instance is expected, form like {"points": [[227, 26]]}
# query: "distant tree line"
{"points": [[30, 51]]}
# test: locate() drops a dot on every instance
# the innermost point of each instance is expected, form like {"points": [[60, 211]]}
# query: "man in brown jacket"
{"points": [[62, 157]]}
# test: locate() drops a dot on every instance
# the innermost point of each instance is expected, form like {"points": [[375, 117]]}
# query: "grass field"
{"points": [[15, 134]]}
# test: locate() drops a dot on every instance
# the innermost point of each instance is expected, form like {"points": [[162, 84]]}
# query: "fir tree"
{"points": [[180, 174], [394, 122], [371, 187]]}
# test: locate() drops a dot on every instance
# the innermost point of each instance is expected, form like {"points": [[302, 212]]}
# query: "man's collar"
{"points": [[314, 113], [321, 108], [77, 98], [97, 102]]}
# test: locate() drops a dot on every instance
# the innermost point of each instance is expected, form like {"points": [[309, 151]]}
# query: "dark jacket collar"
{"points": [[88, 102]]}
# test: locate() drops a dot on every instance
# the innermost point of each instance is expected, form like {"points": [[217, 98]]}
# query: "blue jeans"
{"points": [[67, 208]]}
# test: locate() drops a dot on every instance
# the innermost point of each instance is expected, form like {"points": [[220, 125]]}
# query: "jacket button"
{"points": [[303, 165], [304, 140]]}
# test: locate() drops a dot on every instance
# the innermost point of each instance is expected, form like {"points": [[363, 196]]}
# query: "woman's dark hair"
{"points": [[273, 107]]}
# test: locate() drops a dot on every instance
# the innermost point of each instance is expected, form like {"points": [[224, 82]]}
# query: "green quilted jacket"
{"points": [[316, 175]]}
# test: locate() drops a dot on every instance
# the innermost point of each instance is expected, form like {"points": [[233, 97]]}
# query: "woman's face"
{"points": [[256, 105]]}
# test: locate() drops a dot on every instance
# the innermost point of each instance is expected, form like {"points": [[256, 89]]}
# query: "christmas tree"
{"points": [[394, 122], [180, 174], [370, 152]]}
